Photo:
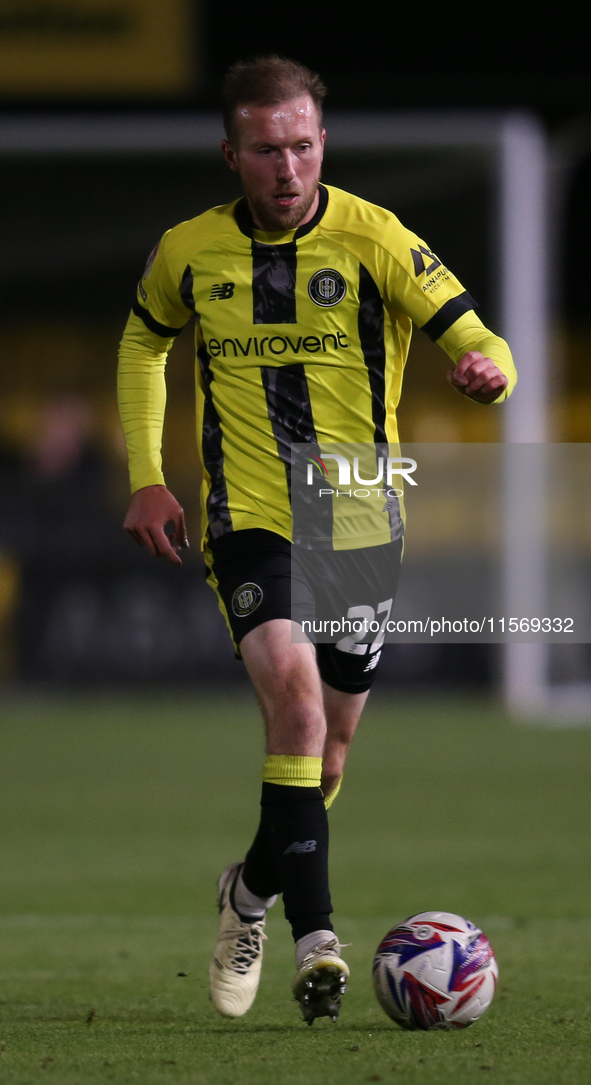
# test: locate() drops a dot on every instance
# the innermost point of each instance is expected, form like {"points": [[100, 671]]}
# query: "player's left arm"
{"points": [[415, 279], [483, 366]]}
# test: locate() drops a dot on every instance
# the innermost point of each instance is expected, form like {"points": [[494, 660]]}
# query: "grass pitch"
{"points": [[117, 816]]}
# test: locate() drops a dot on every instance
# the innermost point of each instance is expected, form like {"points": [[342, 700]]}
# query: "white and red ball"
{"points": [[435, 971]]}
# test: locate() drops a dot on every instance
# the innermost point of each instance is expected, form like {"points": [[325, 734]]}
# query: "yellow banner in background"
{"points": [[96, 48]]}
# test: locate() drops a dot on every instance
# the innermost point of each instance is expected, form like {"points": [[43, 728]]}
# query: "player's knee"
{"points": [[296, 726], [305, 723]]}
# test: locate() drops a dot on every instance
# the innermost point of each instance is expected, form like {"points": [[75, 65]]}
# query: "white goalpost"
{"points": [[518, 147]]}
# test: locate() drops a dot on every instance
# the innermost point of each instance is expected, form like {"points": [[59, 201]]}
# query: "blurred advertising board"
{"points": [[96, 48]]}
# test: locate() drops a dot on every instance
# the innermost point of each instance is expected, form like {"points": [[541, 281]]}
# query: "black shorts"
{"points": [[259, 576]]}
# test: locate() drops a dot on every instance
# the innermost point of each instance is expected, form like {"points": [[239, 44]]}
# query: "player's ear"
{"points": [[230, 155]]}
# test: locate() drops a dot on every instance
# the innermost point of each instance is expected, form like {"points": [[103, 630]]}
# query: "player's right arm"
{"points": [[151, 508], [141, 389]]}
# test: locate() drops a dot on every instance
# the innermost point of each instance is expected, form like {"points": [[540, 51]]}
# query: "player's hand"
{"points": [[150, 510], [478, 377]]}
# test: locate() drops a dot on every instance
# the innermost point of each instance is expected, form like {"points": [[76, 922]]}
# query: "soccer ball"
{"points": [[435, 971]]}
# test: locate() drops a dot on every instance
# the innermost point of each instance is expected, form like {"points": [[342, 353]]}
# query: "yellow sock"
{"points": [[329, 799], [292, 770]]}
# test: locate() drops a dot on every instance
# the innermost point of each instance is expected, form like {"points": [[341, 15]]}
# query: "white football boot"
{"points": [[235, 970], [321, 981]]}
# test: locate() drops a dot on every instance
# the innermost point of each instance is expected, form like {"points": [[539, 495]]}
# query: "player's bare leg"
{"points": [[288, 685], [343, 712]]}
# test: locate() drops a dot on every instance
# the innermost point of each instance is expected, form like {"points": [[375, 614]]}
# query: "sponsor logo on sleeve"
{"points": [[420, 265], [150, 261]]}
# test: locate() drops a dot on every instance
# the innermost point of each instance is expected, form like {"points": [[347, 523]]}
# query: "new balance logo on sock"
{"points": [[298, 849]]}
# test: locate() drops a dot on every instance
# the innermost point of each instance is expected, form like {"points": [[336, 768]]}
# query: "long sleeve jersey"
{"points": [[300, 337]]}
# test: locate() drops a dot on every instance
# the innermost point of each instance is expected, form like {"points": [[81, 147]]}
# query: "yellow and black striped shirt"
{"points": [[301, 337]]}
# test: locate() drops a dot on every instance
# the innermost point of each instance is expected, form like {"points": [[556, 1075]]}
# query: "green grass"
{"points": [[117, 816]]}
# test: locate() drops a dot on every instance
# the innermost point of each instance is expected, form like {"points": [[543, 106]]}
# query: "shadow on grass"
{"points": [[103, 1022], [298, 1026]]}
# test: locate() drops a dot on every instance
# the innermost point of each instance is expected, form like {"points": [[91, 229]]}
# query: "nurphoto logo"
{"points": [[387, 467]]}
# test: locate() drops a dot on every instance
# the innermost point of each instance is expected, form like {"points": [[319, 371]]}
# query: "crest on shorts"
{"points": [[245, 599], [327, 287]]}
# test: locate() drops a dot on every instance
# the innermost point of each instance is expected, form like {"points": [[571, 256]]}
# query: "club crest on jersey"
{"points": [[327, 287], [245, 599]]}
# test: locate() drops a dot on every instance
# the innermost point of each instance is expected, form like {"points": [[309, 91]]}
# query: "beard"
{"points": [[274, 219]]}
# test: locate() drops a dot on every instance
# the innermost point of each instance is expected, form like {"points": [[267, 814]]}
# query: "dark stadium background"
{"points": [[79, 604]]}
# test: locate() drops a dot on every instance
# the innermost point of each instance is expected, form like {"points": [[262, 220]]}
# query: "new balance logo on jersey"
{"points": [[300, 849], [221, 291], [419, 262]]}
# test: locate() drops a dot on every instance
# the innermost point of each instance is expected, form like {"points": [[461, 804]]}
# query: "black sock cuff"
{"points": [[285, 792]]}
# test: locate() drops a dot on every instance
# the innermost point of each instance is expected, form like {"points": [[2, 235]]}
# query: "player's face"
{"points": [[277, 150]]}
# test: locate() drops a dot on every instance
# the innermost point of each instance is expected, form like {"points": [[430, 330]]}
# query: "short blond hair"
{"points": [[267, 80]]}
